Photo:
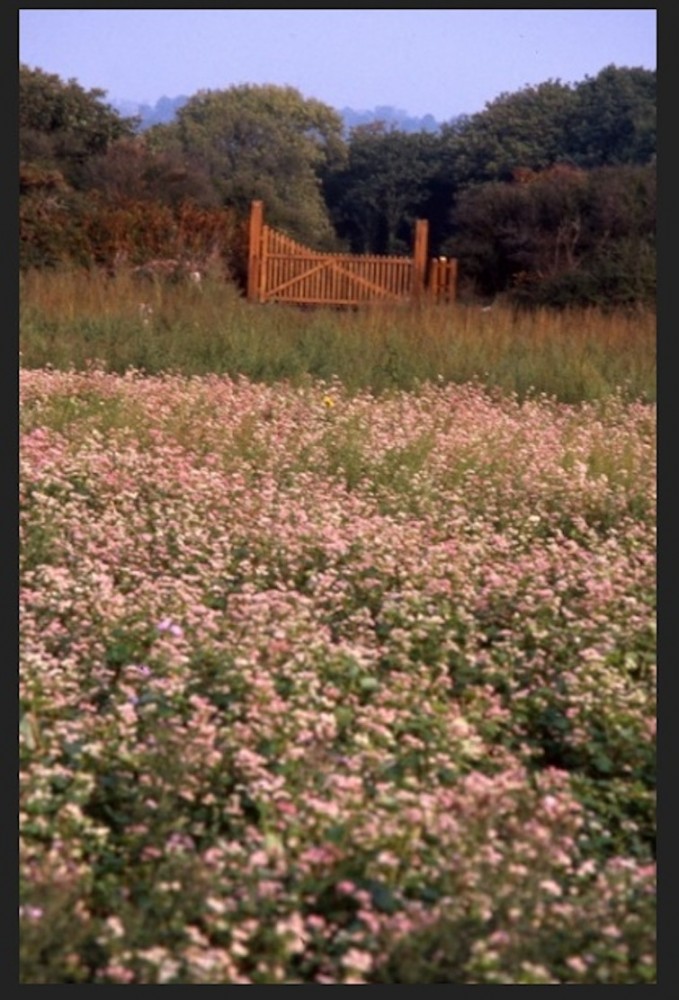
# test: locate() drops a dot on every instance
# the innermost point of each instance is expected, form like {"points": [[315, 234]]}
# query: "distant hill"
{"points": [[390, 116], [164, 110]]}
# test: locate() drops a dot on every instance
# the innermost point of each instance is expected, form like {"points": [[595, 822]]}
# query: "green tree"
{"points": [[613, 119], [262, 142], [129, 169], [563, 236], [62, 125], [524, 129], [609, 119], [387, 183]]}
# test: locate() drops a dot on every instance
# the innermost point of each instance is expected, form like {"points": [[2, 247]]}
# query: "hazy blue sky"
{"points": [[439, 62]]}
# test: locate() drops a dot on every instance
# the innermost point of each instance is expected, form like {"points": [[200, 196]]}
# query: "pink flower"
{"points": [[550, 804], [118, 973], [357, 961], [550, 886], [167, 625], [287, 808], [316, 922]]}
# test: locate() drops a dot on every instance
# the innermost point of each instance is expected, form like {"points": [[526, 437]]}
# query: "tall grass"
{"points": [[70, 319]]}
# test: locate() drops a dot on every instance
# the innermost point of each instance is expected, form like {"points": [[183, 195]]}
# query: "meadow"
{"points": [[70, 318], [334, 672]]}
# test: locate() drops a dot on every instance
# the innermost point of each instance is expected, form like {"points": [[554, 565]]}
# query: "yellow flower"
{"points": [[328, 402]]}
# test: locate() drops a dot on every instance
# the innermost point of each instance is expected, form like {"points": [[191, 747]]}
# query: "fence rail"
{"points": [[282, 270]]}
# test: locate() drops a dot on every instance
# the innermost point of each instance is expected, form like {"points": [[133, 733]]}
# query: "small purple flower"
{"points": [[137, 671], [167, 625]]}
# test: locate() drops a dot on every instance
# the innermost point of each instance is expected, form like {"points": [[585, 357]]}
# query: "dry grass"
{"points": [[71, 319]]}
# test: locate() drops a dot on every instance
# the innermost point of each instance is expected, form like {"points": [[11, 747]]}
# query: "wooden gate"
{"points": [[282, 270]]}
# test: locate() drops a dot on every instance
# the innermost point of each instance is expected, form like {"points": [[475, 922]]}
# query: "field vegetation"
{"points": [[337, 641], [69, 318]]}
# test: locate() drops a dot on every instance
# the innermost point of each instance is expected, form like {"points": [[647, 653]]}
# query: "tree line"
{"points": [[547, 196]]}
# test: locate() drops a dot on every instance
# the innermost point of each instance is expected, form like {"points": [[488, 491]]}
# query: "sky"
{"points": [[439, 62]]}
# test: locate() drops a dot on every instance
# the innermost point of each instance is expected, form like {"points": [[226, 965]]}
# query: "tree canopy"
{"points": [[604, 120], [561, 235], [265, 142], [383, 188], [62, 125], [613, 121], [527, 128], [547, 195]]}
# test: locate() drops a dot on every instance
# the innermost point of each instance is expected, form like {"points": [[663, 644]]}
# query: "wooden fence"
{"points": [[282, 270]]}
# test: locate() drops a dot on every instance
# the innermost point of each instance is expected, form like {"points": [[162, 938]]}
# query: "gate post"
{"points": [[420, 256], [442, 284], [452, 280], [434, 278], [255, 250]]}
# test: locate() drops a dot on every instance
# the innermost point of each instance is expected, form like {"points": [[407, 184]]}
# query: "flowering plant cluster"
{"points": [[320, 688]]}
